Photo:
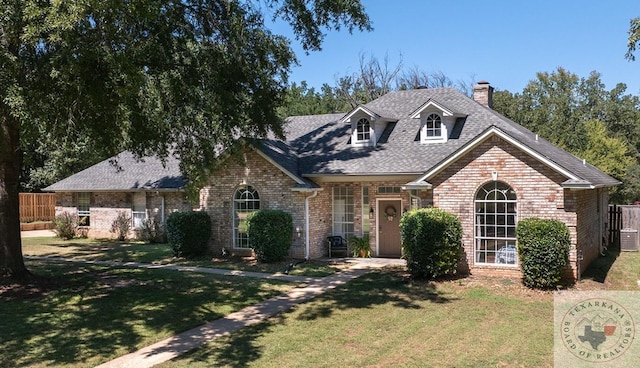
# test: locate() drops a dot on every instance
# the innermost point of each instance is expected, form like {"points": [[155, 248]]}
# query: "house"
{"points": [[142, 189], [355, 174]]}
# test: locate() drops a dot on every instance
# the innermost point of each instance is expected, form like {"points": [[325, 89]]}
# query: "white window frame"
{"points": [[83, 202], [138, 209], [363, 130], [343, 212], [246, 200], [495, 220], [366, 208], [434, 119]]}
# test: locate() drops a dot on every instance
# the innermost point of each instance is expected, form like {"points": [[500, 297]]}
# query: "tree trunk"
{"points": [[11, 261]]}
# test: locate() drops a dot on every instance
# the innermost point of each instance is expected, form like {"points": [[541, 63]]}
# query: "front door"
{"points": [[389, 213]]}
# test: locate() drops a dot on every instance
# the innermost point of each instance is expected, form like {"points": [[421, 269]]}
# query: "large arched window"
{"points": [[434, 126], [363, 130], [245, 201], [495, 223]]}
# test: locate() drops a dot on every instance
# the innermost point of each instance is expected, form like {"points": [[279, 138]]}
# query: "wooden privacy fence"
{"points": [[37, 207], [622, 217]]}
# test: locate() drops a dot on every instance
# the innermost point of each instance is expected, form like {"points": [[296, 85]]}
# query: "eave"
{"points": [[494, 131]]}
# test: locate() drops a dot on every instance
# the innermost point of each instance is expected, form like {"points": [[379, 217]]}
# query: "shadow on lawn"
{"points": [[379, 287], [100, 313], [389, 286], [600, 267]]}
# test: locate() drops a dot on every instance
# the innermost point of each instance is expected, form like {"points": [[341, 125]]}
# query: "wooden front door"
{"points": [[389, 213]]}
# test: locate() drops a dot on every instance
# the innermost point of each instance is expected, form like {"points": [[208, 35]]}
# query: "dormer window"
{"points": [[363, 130], [434, 126]]}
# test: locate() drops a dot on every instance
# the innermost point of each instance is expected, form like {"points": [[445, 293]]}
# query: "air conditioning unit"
{"points": [[629, 240]]}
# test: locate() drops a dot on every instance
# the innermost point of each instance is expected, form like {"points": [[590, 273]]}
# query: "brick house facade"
{"points": [[343, 174], [142, 190], [355, 174]]}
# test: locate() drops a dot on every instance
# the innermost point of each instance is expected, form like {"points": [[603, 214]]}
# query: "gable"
{"points": [[572, 179]]}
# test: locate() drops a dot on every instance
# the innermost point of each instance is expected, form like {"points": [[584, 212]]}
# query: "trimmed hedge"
{"points": [[543, 250], [432, 242], [188, 233], [270, 233]]}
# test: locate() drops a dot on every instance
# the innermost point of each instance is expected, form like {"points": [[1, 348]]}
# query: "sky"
{"points": [[503, 42]]}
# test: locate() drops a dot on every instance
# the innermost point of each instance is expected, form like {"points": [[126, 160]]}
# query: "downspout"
{"points": [[162, 211], [306, 225]]}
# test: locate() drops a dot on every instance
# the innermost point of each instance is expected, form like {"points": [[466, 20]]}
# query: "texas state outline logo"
{"points": [[597, 330]]}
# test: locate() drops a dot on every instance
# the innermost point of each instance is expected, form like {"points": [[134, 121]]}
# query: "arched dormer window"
{"points": [[434, 126], [363, 130]]}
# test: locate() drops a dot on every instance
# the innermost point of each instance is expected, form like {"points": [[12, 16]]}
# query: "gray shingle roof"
{"points": [[321, 144], [129, 175]]}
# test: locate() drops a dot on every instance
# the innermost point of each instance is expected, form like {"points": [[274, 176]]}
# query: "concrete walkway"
{"points": [[174, 346]]}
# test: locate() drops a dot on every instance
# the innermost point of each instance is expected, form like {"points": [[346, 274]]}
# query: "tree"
{"points": [[634, 38], [609, 154], [153, 76], [580, 115], [376, 77], [304, 100]]}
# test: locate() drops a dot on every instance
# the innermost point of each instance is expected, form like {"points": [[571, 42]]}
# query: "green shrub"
{"points": [[270, 233], [151, 230], [543, 250], [66, 225], [121, 225], [431, 241], [188, 233]]}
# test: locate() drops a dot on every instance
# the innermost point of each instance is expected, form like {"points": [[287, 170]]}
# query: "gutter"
{"points": [[306, 225]]}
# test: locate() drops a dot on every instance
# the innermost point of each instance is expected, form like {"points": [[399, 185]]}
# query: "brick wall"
{"points": [[538, 190], [105, 206], [539, 194], [273, 187], [322, 213]]}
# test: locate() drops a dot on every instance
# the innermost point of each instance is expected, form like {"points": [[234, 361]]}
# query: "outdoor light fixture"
{"points": [[371, 214], [298, 231]]}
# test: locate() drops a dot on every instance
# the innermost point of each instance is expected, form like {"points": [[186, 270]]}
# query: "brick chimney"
{"points": [[483, 93]]}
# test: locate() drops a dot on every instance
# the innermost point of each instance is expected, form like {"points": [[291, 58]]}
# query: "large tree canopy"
{"points": [[151, 76], [581, 116]]}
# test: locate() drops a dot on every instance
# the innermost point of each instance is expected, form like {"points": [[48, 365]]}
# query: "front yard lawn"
{"points": [[381, 319], [111, 250], [384, 319], [86, 315]]}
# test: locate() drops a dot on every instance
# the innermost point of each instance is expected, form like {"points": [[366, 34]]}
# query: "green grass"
{"points": [[110, 250], [616, 271], [382, 319], [92, 314]]}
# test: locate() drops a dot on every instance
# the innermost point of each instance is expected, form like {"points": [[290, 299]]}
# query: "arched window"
{"points": [[495, 223], [245, 201], [363, 130], [434, 125]]}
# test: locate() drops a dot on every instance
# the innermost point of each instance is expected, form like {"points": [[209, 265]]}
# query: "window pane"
{"points": [[495, 224], [245, 201], [343, 211], [84, 211]]}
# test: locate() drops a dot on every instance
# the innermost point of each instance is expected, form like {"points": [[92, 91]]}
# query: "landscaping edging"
{"points": [[29, 226]]}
